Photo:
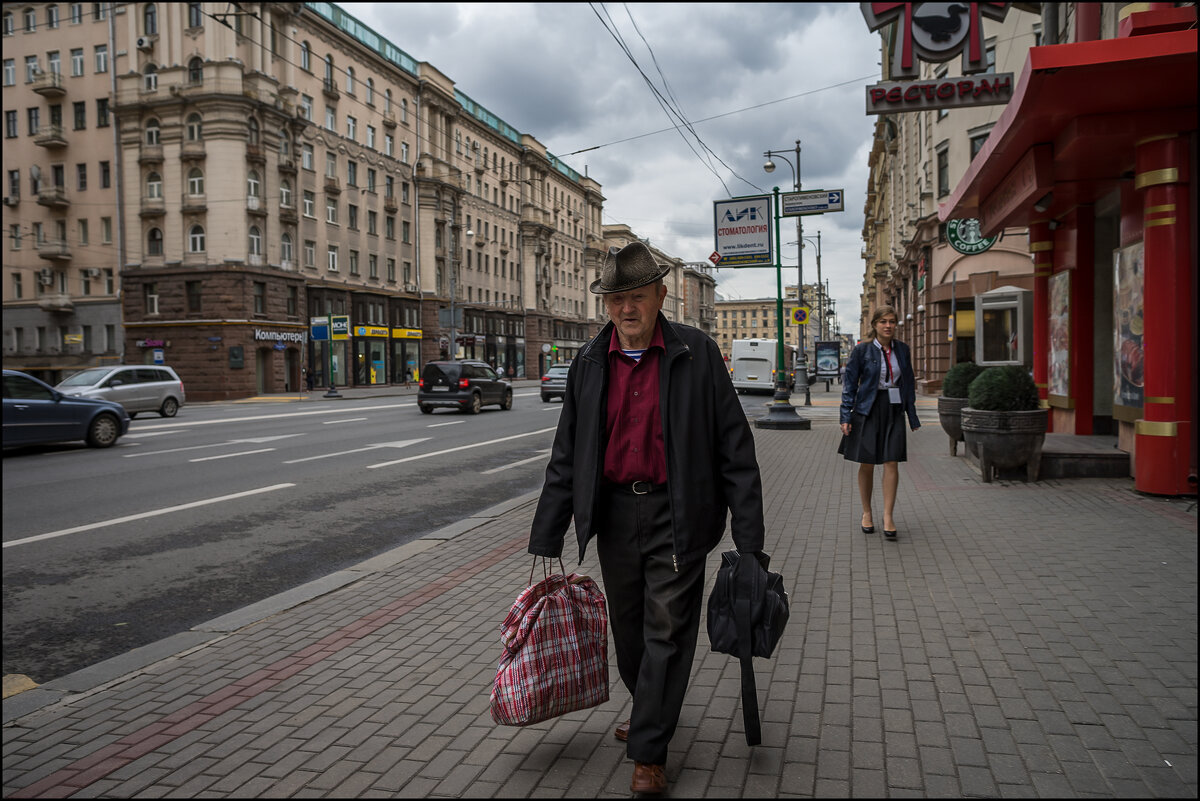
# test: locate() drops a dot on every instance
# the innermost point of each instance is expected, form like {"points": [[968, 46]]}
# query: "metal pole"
{"points": [[802, 372], [820, 297], [781, 413]]}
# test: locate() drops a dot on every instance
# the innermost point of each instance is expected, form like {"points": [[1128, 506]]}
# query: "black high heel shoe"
{"points": [[867, 529], [891, 535]]}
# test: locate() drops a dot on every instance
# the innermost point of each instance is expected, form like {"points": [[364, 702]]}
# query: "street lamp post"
{"points": [[820, 303], [802, 356]]}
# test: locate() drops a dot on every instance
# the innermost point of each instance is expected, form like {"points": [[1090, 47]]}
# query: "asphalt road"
{"points": [[227, 504]]}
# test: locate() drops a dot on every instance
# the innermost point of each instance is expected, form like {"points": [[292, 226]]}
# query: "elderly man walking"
{"points": [[652, 453]]}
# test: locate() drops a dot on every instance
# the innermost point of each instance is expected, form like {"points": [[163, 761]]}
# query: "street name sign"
{"points": [[797, 204]]}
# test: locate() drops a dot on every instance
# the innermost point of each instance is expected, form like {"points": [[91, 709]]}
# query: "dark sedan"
{"points": [[466, 385], [37, 414]]}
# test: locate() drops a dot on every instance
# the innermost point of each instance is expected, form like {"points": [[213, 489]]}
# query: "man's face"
{"points": [[635, 312]]}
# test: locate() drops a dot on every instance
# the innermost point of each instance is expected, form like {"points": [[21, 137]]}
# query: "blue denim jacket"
{"points": [[860, 384]]}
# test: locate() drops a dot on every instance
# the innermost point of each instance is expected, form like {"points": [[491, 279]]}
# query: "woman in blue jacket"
{"points": [[878, 390]]}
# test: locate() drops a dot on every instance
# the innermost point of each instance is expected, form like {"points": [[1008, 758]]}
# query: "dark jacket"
{"points": [[861, 381], [709, 448]]}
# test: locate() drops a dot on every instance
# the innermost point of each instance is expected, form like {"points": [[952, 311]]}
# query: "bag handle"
{"points": [[545, 571], [744, 575]]}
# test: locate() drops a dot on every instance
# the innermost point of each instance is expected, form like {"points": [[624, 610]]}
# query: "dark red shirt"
{"points": [[634, 424]]}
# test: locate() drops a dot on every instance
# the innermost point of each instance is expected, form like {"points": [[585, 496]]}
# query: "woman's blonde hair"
{"points": [[878, 315]]}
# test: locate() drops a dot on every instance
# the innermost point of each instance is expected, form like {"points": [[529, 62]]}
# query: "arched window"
{"points": [[154, 242], [252, 184], [255, 241], [285, 247], [196, 181], [150, 76], [285, 192], [154, 186], [252, 131], [350, 80], [370, 91], [196, 239], [9, 24], [153, 133], [150, 19], [387, 101], [195, 127], [403, 110], [30, 20], [329, 70], [196, 71]]}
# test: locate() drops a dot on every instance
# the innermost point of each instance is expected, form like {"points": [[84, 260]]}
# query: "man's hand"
{"points": [[845, 429]]}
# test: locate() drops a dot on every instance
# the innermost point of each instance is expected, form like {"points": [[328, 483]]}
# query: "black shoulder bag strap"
{"points": [[744, 578]]}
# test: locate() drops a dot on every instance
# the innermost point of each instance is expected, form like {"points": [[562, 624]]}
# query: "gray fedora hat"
{"points": [[628, 268]]}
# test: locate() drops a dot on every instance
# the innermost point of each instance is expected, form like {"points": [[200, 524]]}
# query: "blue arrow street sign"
{"points": [[796, 204]]}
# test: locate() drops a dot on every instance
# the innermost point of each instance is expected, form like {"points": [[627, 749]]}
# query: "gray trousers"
{"points": [[654, 612]]}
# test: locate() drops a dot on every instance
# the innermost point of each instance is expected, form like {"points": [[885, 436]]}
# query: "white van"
{"points": [[752, 364], [139, 388]]}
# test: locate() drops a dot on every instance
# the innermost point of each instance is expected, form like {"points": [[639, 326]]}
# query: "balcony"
{"points": [[194, 204], [56, 303], [389, 119], [49, 84], [330, 89], [389, 204], [333, 185], [256, 206], [192, 151], [255, 153], [287, 215], [287, 166], [53, 196], [55, 250], [152, 207], [50, 136], [150, 154]]}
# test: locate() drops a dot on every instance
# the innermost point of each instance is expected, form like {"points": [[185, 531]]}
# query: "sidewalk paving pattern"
{"points": [[1017, 640]]}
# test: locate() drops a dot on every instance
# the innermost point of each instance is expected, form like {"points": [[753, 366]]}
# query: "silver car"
{"points": [[554, 382], [139, 388]]}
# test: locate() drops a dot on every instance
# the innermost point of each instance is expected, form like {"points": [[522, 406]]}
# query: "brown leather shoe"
{"points": [[622, 732], [648, 779]]}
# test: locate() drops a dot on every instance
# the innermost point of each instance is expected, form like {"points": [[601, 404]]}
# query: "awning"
{"points": [[1072, 126]]}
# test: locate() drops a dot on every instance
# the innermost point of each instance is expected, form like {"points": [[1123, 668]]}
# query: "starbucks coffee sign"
{"points": [[965, 236]]}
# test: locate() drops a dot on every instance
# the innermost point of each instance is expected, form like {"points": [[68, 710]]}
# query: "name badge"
{"points": [[894, 394]]}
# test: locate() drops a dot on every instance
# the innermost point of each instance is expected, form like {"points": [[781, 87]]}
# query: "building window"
{"points": [[154, 186], [285, 248], [194, 304], [373, 265], [102, 112], [52, 16], [351, 128], [306, 157], [150, 78], [305, 57], [76, 10], [195, 182], [30, 20], [83, 233], [195, 128], [354, 262], [309, 204], [154, 242], [81, 176], [153, 133], [370, 93], [943, 171], [255, 241], [32, 68], [150, 19], [9, 24], [260, 297], [196, 239], [80, 111], [977, 144], [101, 58], [310, 253], [252, 184], [350, 80], [333, 258], [195, 72], [331, 211], [252, 136], [77, 62], [150, 298], [285, 193], [195, 15], [352, 173], [293, 300]]}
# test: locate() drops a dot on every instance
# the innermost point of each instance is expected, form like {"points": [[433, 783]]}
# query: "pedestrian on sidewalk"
{"points": [[878, 390], [652, 451]]}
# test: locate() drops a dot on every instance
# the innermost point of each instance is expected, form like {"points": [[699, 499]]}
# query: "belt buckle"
{"points": [[634, 487]]}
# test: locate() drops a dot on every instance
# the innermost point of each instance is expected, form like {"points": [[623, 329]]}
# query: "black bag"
{"points": [[747, 612]]}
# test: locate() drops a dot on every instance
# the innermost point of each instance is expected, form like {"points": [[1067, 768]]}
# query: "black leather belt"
{"points": [[636, 487]]}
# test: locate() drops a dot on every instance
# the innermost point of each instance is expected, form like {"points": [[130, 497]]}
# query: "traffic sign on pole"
{"points": [[797, 204]]}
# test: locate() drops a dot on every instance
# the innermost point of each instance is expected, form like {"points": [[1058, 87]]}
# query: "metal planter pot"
{"points": [[1006, 440], [950, 414]]}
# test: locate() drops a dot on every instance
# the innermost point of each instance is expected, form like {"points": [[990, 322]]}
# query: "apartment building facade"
{"points": [[269, 195]]}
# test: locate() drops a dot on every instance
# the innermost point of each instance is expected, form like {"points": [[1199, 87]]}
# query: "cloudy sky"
{"points": [[749, 77]]}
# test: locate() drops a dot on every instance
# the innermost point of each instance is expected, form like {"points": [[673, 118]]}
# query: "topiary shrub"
{"points": [[1003, 389], [958, 379]]}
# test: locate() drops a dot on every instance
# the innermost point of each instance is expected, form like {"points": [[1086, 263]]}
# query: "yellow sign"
{"points": [[73, 339], [406, 333], [369, 331], [800, 315]]}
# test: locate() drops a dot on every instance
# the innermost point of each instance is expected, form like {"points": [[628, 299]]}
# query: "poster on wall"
{"points": [[1128, 356], [1060, 335]]}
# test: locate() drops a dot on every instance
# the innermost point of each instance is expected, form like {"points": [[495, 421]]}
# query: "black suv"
{"points": [[467, 385]]}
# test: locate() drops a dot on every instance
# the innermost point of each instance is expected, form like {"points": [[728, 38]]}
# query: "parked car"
{"points": [[139, 388], [554, 382], [37, 414], [467, 385]]}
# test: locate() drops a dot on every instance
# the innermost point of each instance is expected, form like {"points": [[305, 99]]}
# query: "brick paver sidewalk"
{"points": [[1035, 640]]}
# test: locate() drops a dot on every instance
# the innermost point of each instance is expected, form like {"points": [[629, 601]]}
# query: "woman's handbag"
{"points": [[555, 651], [747, 611]]}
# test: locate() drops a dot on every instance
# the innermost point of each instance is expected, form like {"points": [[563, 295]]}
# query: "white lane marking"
{"points": [[150, 433], [228, 455], [253, 440], [357, 410], [451, 423], [462, 448], [261, 440], [143, 515], [351, 420], [541, 456], [401, 444]]}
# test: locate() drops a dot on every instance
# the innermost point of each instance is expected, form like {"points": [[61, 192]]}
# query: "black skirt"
{"points": [[877, 437]]}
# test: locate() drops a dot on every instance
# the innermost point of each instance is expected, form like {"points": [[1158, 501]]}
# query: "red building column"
{"points": [[1164, 434], [1041, 249]]}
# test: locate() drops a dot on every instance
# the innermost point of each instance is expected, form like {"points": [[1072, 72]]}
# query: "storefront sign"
{"points": [[369, 331], [152, 343], [966, 238], [279, 336], [339, 326], [890, 97], [1129, 369], [406, 333], [934, 32]]}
